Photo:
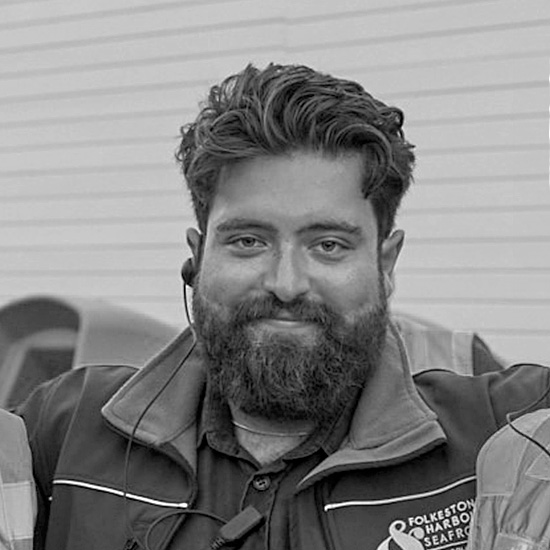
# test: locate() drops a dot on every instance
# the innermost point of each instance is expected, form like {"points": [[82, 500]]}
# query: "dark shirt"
{"points": [[230, 479]]}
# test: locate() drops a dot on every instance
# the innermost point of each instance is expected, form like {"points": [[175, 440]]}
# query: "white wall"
{"points": [[92, 93]]}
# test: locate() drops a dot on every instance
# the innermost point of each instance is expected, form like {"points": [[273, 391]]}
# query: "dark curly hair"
{"points": [[286, 108]]}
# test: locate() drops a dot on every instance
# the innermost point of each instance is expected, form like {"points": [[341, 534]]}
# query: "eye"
{"points": [[247, 242], [330, 248]]}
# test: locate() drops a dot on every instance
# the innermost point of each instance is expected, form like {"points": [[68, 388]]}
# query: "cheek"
{"points": [[225, 283], [352, 292]]}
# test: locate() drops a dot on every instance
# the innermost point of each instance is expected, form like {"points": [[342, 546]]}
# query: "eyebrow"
{"points": [[238, 224], [339, 226]]}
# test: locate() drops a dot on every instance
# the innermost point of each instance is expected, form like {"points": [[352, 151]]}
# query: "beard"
{"points": [[284, 376]]}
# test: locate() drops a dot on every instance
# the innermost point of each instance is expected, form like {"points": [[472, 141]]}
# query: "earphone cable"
{"points": [[514, 415], [179, 513], [129, 529], [186, 307]]}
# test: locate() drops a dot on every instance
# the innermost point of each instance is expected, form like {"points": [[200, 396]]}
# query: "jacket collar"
{"points": [[160, 404]]}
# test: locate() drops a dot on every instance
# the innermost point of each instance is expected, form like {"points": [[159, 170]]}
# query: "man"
{"points": [[289, 418], [17, 494], [513, 500]]}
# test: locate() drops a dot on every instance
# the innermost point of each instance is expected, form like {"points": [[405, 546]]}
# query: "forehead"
{"points": [[293, 190]]}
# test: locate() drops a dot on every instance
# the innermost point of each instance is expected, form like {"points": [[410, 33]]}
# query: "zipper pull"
{"points": [[131, 544]]}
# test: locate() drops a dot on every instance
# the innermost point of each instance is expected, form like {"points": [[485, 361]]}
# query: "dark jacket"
{"points": [[404, 473]]}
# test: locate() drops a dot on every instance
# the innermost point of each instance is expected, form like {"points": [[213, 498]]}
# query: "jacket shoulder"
{"points": [[51, 407], [518, 388]]}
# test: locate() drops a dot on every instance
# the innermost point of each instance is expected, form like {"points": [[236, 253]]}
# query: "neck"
{"points": [[267, 440], [268, 427]]}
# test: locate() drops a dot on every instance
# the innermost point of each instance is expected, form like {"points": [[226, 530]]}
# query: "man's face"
{"points": [[289, 301]]}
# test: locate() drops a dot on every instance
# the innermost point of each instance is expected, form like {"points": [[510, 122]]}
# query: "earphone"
{"points": [[188, 275], [190, 266], [188, 272]]}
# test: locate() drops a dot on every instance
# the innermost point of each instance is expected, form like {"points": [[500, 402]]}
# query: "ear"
{"points": [[389, 252], [195, 242]]}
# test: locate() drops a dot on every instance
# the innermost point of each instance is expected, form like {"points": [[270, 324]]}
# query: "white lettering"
{"points": [[462, 506], [465, 517]]}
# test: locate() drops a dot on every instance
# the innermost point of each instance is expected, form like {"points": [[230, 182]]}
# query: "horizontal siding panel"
{"points": [[115, 102], [32, 12], [520, 348], [131, 101], [507, 193], [466, 225], [46, 120], [405, 81], [131, 23], [329, 8], [438, 19], [421, 51], [472, 104], [486, 287], [480, 316], [98, 234], [482, 164], [141, 51], [67, 136], [108, 81], [428, 256], [505, 133], [106, 287], [87, 210], [177, 46], [79, 263], [120, 155], [165, 178], [462, 76]]}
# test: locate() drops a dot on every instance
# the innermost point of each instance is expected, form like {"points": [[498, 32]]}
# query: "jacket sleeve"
{"points": [[46, 413]]}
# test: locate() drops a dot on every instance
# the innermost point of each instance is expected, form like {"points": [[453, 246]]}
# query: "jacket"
{"points": [[17, 494], [404, 473], [513, 506]]}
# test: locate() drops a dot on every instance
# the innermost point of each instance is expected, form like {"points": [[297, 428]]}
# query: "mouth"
{"points": [[290, 325], [284, 323]]}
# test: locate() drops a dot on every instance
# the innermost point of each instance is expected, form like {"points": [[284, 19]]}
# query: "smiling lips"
{"points": [[285, 321]]}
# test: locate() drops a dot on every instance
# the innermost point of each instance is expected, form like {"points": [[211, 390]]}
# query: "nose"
{"points": [[287, 277]]}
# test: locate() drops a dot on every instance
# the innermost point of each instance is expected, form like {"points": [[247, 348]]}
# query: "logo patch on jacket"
{"points": [[444, 528], [434, 520]]}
